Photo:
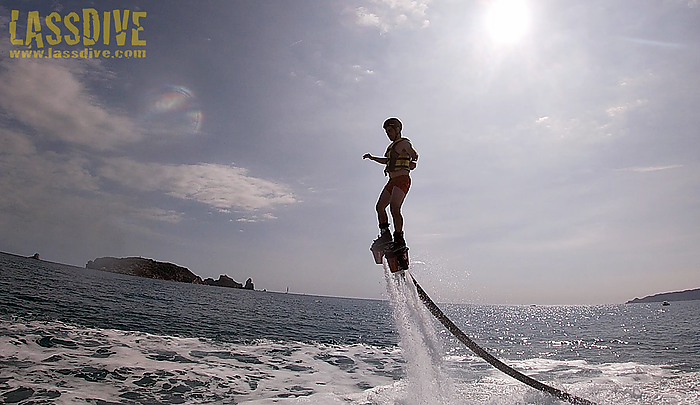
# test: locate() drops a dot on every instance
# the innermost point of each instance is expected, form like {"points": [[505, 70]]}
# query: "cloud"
{"points": [[33, 183], [13, 143], [40, 185], [24, 169], [158, 214], [649, 42], [58, 140], [649, 168], [49, 101], [49, 98], [360, 73], [391, 14], [333, 75], [257, 218], [626, 108], [53, 199], [220, 186], [366, 18]]}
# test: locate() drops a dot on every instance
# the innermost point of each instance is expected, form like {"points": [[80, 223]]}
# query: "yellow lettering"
{"points": [[107, 21], [57, 54], [135, 31], [66, 54], [13, 29], [34, 29], [68, 22], [120, 26], [105, 54], [52, 26], [87, 13]]}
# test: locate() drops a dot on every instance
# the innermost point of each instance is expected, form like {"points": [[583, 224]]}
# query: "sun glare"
{"points": [[507, 21]]}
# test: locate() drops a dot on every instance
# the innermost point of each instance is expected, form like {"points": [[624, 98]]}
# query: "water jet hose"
{"points": [[440, 316]]}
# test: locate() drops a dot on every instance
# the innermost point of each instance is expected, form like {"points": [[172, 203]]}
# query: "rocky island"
{"points": [[149, 268], [687, 295], [226, 281]]}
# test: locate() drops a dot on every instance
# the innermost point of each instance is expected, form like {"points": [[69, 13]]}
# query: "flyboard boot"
{"points": [[381, 242], [396, 251]]}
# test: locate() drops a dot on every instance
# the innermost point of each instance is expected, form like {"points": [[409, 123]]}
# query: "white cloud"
{"points": [[33, 183], [391, 14], [158, 214], [49, 98], [365, 18], [649, 168], [50, 198], [220, 186], [257, 218], [44, 192], [360, 73], [52, 101], [627, 107], [25, 172], [333, 75], [13, 143]]}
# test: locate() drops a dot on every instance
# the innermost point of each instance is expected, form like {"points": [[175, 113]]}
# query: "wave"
{"points": [[84, 364], [55, 361]]}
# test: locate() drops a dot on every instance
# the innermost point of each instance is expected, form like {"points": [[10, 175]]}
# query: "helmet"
{"points": [[392, 122]]}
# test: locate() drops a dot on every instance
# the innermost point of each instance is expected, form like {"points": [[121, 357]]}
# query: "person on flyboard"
{"points": [[400, 158]]}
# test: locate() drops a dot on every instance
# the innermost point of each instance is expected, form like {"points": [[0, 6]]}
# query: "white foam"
{"points": [[104, 364], [85, 364]]}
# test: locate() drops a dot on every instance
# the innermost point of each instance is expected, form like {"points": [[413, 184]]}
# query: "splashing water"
{"points": [[427, 383], [71, 335]]}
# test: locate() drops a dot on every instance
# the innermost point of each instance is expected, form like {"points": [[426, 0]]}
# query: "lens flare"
{"points": [[507, 21], [173, 108]]}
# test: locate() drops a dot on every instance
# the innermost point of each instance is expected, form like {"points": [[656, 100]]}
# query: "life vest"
{"points": [[398, 161]]}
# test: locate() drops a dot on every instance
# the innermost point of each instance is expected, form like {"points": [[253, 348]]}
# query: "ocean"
{"points": [[70, 335]]}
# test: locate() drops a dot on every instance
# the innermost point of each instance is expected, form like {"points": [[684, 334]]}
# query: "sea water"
{"points": [[73, 335]]}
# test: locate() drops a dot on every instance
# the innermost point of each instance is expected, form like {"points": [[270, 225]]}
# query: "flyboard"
{"points": [[397, 257]]}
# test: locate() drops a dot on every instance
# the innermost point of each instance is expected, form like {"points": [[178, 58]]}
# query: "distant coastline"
{"points": [[687, 295], [149, 268]]}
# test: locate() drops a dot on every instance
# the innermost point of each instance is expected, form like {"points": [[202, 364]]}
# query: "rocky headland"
{"points": [[226, 281], [149, 268], [687, 295]]}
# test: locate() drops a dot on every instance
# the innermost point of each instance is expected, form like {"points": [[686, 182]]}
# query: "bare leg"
{"points": [[382, 203], [396, 201]]}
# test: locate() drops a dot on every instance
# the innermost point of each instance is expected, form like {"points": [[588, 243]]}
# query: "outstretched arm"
{"points": [[381, 160]]}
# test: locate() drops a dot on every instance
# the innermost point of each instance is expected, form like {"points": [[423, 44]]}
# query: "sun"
{"points": [[507, 21]]}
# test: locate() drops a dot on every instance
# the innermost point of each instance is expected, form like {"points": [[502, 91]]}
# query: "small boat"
{"points": [[665, 303]]}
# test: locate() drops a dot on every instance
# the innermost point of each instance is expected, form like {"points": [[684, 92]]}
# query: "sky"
{"points": [[559, 142]]}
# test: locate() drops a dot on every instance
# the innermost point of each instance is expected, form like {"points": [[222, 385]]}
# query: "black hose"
{"points": [[440, 316]]}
